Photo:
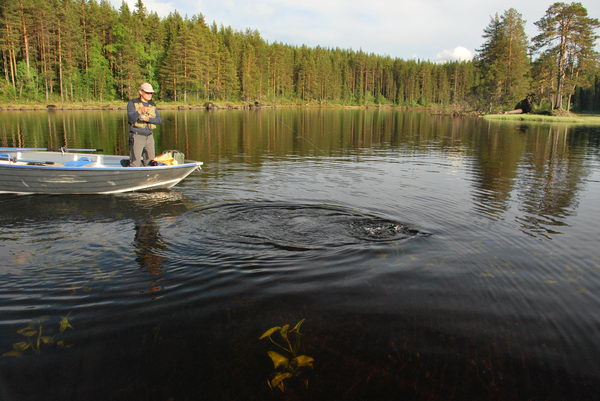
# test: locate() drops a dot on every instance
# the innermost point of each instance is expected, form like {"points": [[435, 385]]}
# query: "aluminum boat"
{"points": [[39, 171]]}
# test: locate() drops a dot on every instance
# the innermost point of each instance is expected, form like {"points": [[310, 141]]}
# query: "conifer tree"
{"points": [[567, 37], [543, 71], [69, 49], [249, 72], [100, 79], [129, 53], [185, 53], [167, 73], [588, 98], [225, 83], [205, 58], [503, 60], [10, 41]]}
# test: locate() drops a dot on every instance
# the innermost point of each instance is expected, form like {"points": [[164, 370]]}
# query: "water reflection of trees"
{"points": [[496, 156], [548, 187], [540, 166], [281, 133], [75, 129]]}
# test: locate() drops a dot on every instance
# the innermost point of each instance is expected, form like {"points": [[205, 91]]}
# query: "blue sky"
{"points": [[435, 30]]}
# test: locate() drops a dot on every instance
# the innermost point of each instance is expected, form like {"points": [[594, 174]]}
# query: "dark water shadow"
{"points": [[27, 209]]}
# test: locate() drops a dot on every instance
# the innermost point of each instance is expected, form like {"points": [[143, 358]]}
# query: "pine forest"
{"points": [[85, 50]]}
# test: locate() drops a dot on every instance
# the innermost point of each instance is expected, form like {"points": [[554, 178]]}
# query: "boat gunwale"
{"points": [[102, 168]]}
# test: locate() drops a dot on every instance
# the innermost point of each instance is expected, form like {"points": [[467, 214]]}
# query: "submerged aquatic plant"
{"points": [[36, 335], [290, 364]]}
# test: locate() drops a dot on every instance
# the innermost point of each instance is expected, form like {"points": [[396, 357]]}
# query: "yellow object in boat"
{"points": [[165, 158]]}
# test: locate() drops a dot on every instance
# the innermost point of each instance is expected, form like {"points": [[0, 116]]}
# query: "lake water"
{"points": [[431, 258]]}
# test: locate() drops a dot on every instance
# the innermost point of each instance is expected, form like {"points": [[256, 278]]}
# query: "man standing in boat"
{"points": [[143, 118]]}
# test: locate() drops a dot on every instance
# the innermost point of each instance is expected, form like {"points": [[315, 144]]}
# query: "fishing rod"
{"points": [[61, 149]]}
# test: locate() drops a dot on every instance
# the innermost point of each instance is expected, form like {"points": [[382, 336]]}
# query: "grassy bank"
{"points": [[573, 119]]}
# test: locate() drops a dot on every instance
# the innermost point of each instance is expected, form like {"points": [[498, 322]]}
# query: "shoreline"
{"points": [[101, 106], [210, 106]]}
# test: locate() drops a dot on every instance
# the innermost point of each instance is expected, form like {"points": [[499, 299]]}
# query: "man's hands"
{"points": [[144, 110]]}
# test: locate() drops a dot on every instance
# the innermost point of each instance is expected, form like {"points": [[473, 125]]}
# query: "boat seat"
{"points": [[82, 162]]}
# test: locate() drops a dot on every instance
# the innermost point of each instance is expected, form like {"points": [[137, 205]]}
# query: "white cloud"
{"points": [[162, 8], [459, 53]]}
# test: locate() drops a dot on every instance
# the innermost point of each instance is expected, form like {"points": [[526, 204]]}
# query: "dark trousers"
{"points": [[141, 149]]}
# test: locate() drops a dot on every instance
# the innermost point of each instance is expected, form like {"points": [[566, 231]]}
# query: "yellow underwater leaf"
{"points": [[16, 354], [269, 332], [64, 324], [298, 325], [28, 331], [284, 331], [278, 380], [304, 360], [47, 339], [21, 346], [278, 359]]}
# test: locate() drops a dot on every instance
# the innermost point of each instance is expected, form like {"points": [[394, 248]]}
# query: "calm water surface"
{"points": [[432, 259]]}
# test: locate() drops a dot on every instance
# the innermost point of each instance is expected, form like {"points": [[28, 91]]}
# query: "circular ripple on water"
{"points": [[263, 229]]}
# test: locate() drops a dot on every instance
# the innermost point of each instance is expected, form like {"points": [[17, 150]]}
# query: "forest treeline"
{"points": [[84, 50]]}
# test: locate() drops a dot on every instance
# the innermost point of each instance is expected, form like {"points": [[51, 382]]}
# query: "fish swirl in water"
{"points": [[271, 227]]}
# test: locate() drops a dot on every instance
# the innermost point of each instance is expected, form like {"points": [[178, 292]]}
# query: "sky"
{"points": [[435, 30]]}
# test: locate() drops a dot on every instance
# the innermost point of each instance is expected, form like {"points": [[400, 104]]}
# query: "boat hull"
{"points": [[32, 179]]}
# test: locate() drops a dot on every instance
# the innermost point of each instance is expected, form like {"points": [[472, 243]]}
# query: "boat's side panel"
{"points": [[52, 180]]}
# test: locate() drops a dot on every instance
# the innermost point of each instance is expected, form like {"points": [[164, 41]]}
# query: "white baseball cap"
{"points": [[146, 87]]}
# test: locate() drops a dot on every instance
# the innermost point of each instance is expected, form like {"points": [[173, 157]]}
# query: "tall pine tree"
{"points": [[503, 61], [567, 37]]}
